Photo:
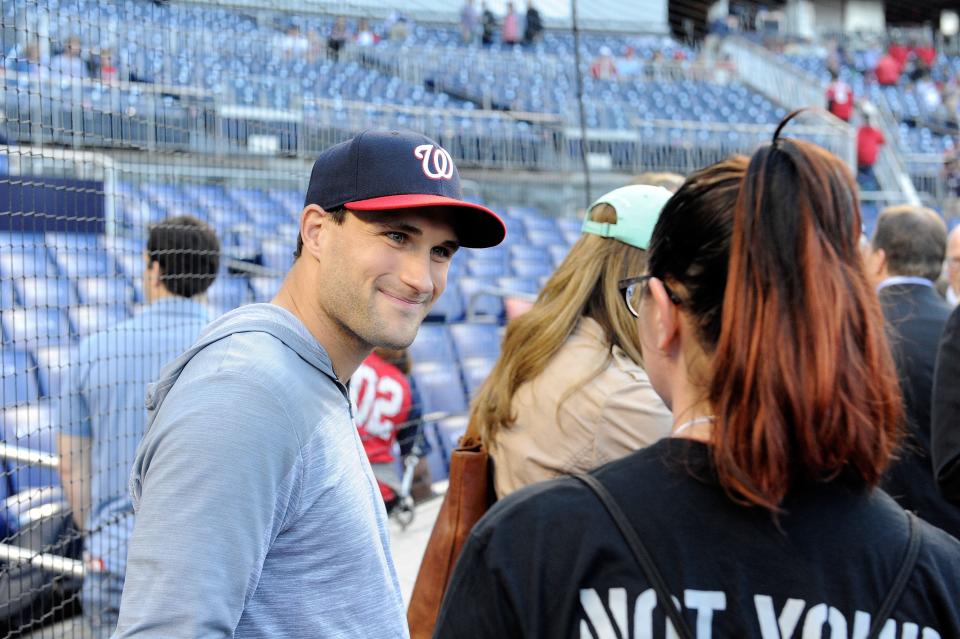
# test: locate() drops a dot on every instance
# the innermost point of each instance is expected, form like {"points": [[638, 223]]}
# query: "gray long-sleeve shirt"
{"points": [[257, 512]]}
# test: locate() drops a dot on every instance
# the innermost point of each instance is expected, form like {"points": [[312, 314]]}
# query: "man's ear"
{"points": [[313, 220], [666, 317]]}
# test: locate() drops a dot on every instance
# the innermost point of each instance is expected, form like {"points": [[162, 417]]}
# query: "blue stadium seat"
{"points": [[432, 344], [90, 318], [538, 253], [545, 237], [80, 255], [8, 295], [558, 253], [474, 372], [487, 268], [449, 432], [105, 291], [228, 292], [532, 269], [32, 328], [28, 261], [264, 288], [440, 387], [519, 285], [484, 305], [19, 378], [569, 224], [46, 292], [476, 340], [277, 254], [53, 369], [449, 307], [31, 427]]}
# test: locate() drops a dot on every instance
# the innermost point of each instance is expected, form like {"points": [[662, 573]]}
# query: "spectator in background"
{"points": [[629, 66], [839, 97], [952, 293], [533, 26], [928, 94], [106, 71], [102, 419], [899, 52], [604, 67], [337, 38], [257, 511], [869, 141], [365, 36], [69, 62], [888, 70], [760, 330], [489, 26], [905, 258], [397, 27], [469, 22], [511, 26], [293, 44], [945, 415], [569, 392]]}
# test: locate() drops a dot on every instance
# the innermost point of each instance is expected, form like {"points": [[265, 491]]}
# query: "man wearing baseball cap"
{"points": [[257, 512]]}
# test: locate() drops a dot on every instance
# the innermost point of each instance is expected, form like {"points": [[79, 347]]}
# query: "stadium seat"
{"points": [[481, 304], [8, 294], [53, 369], [449, 432], [31, 427], [90, 318], [473, 340], [432, 344], [27, 261], [228, 292], [474, 372], [532, 269], [105, 291], [487, 268], [558, 253], [264, 288], [440, 387], [449, 307], [545, 237], [32, 328], [531, 253], [524, 285], [46, 292], [19, 378]]}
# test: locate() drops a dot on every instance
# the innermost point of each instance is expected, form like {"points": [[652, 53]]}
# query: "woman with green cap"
{"points": [[569, 391]]}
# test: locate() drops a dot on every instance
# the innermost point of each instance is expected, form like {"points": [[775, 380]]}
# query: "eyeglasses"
{"points": [[633, 286]]}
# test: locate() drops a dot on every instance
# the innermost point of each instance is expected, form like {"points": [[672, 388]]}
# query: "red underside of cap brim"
{"points": [[477, 226]]}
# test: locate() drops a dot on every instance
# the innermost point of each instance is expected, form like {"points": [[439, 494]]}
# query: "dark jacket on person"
{"points": [[945, 416], [915, 316]]}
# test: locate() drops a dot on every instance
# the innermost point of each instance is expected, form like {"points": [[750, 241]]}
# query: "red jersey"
{"points": [[869, 140], [381, 397], [927, 54], [840, 99], [899, 53]]}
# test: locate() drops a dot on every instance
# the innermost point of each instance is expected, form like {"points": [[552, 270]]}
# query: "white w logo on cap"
{"points": [[437, 163]]}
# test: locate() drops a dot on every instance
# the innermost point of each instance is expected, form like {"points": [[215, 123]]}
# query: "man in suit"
{"points": [[905, 257], [945, 417]]}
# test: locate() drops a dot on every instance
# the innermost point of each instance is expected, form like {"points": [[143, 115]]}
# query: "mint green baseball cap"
{"points": [[638, 206]]}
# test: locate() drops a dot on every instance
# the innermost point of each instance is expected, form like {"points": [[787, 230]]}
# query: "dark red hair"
{"points": [[803, 385]]}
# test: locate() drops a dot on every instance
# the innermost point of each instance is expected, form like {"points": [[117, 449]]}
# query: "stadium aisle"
{"points": [[408, 545]]}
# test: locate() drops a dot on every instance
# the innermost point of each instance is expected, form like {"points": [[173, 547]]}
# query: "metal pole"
{"points": [[583, 113]]}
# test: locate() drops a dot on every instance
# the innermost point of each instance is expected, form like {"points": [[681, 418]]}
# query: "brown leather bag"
{"points": [[469, 495]]}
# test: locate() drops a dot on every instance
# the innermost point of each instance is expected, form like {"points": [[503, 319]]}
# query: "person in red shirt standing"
{"points": [[839, 97], [382, 400], [888, 70], [869, 141]]}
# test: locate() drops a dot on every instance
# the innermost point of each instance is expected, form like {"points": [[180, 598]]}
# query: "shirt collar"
{"points": [[904, 279]]}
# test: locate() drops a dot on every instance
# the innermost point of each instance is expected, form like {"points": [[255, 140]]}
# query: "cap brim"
{"points": [[476, 225]]}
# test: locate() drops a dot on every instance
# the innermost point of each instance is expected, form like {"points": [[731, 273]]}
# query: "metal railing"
{"points": [[794, 88]]}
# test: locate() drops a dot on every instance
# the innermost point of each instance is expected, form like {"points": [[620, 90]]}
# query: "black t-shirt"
{"points": [[548, 561]]}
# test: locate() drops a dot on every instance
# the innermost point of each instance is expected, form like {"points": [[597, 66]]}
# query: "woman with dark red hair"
{"points": [[760, 516]]}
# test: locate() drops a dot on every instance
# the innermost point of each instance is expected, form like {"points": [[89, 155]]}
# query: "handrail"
{"points": [[45, 561], [28, 456]]}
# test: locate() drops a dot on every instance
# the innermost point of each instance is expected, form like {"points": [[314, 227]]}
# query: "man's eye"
{"points": [[441, 251], [396, 236]]}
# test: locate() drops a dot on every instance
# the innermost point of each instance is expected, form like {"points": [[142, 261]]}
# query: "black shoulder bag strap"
{"points": [[640, 553], [900, 582]]}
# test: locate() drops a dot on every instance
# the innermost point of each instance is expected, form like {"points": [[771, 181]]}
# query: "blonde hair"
{"points": [[584, 285]]}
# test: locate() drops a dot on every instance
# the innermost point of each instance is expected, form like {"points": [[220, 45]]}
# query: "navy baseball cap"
{"points": [[386, 170]]}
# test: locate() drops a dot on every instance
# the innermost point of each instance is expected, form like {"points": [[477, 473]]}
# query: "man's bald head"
{"points": [[913, 240]]}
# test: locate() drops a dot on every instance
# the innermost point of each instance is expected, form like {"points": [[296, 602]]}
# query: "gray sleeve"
{"points": [[218, 473]]}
